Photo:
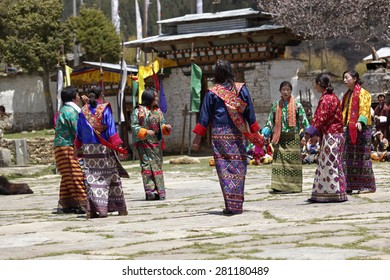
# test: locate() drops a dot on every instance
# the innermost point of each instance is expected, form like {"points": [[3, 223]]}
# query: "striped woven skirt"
{"points": [[287, 164], [151, 169], [329, 181], [73, 195], [104, 185], [357, 163], [229, 148]]}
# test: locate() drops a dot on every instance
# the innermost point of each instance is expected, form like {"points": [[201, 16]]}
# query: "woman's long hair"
{"points": [[323, 80], [148, 96], [354, 74], [93, 94], [223, 73]]}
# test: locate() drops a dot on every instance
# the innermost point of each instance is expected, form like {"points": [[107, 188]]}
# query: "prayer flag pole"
{"points": [[190, 111]]}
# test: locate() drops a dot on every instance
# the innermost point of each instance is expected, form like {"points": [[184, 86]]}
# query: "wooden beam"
{"points": [[249, 40]]}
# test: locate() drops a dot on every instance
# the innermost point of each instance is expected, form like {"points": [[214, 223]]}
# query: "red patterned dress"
{"points": [[329, 182]]}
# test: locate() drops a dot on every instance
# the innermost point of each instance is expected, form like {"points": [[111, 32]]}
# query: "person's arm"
{"points": [[205, 116], [108, 120], [269, 125], [249, 112], [301, 115], [206, 113], [364, 109]]}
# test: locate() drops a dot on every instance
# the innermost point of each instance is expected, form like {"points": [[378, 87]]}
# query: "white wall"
{"points": [[22, 95]]}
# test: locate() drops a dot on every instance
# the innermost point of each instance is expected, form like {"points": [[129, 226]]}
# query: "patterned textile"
{"points": [[329, 183], [287, 164], [214, 112], [73, 193], [356, 108], [104, 189], [328, 117], [301, 118], [357, 164], [229, 147], [291, 117], [235, 106], [149, 150], [96, 119], [151, 169], [66, 123]]}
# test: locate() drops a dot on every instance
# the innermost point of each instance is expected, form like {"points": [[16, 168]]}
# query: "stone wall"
{"points": [[262, 80], [39, 150], [23, 98]]}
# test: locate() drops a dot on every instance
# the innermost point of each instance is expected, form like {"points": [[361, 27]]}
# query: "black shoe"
{"points": [[230, 212], [349, 191], [310, 200]]}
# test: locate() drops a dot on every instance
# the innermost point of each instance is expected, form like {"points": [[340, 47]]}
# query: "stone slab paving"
{"points": [[189, 224]]}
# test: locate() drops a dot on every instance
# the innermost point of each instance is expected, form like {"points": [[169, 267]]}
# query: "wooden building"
{"points": [[248, 38]]}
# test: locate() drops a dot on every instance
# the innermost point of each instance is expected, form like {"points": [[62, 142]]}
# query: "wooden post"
{"points": [[184, 114]]}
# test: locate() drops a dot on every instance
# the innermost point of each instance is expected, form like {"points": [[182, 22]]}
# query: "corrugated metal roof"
{"points": [[382, 53], [228, 24], [167, 37], [213, 16]]}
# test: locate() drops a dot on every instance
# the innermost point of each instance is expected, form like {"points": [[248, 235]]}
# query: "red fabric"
{"points": [[200, 129], [328, 117], [120, 150], [354, 113], [269, 150], [255, 127], [115, 139], [156, 82], [77, 143]]}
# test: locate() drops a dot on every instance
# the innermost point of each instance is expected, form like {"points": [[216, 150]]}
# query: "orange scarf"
{"points": [[292, 117]]}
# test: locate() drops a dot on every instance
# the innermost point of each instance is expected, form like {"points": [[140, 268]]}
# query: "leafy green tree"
{"points": [[96, 35], [32, 36]]}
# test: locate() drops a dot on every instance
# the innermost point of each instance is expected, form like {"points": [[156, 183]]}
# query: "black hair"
{"points": [[285, 83], [323, 80], [148, 96], [69, 93], [354, 74], [93, 94], [223, 73]]}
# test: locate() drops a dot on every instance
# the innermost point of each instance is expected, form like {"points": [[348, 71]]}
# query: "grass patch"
{"points": [[215, 235], [45, 133], [146, 232], [70, 228], [268, 215], [49, 170], [108, 236]]}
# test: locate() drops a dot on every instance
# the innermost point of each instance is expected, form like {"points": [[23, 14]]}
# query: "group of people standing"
{"points": [[343, 129], [93, 184], [88, 150]]}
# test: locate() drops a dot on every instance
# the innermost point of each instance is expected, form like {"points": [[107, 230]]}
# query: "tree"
{"points": [[359, 20], [96, 35], [33, 34], [318, 19]]}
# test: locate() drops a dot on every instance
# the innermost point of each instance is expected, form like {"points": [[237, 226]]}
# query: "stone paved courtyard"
{"points": [[189, 224]]}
